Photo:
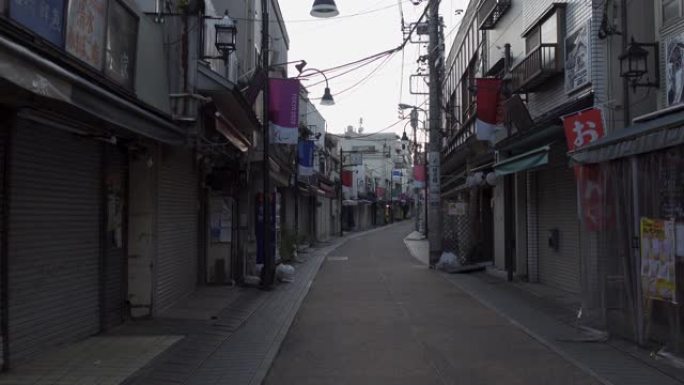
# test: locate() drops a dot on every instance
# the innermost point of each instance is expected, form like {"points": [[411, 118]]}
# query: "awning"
{"points": [[349, 202], [645, 135], [38, 75], [230, 132], [228, 99], [531, 159]]}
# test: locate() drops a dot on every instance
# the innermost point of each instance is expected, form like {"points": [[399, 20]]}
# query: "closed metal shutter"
{"points": [[115, 275], [178, 226], [54, 239], [557, 209], [4, 133]]}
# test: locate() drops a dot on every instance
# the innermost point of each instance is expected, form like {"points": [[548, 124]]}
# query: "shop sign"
{"points": [[85, 33], [44, 17], [581, 129], [122, 35], [456, 208]]}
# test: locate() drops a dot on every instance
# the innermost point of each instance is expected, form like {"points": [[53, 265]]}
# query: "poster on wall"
{"points": [[658, 259], [578, 58], [674, 54]]}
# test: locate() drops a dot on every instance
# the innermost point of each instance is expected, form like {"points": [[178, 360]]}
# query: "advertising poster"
{"points": [[658, 259], [674, 77], [86, 20], [578, 58]]}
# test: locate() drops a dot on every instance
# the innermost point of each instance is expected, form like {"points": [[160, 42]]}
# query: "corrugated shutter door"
{"points": [[4, 130], [53, 239], [557, 209], [115, 255], [177, 224]]}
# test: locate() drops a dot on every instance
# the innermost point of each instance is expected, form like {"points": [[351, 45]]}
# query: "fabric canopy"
{"points": [[643, 136], [531, 159]]}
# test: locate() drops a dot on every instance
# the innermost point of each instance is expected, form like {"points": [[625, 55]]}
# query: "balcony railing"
{"points": [[490, 12], [539, 65]]}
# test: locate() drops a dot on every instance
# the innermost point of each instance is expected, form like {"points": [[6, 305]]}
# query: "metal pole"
{"points": [[435, 63], [268, 271], [296, 195], [414, 125], [341, 170]]}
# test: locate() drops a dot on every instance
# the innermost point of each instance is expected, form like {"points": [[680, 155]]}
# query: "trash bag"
{"points": [[285, 273], [448, 261]]}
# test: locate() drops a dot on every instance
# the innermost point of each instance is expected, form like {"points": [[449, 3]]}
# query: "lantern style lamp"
{"points": [[634, 64], [226, 32], [324, 8], [404, 141]]}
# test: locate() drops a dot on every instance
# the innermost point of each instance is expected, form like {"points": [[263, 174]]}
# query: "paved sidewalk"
{"points": [[217, 335], [609, 362], [375, 315]]}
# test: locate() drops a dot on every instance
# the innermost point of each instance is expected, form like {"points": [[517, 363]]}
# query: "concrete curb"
{"points": [[267, 362]]}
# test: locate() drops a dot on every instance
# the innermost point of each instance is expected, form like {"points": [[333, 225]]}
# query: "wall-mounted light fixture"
{"points": [[634, 64]]}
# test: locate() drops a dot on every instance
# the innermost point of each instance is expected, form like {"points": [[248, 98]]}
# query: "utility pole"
{"points": [[268, 271], [435, 63], [414, 125], [341, 190]]}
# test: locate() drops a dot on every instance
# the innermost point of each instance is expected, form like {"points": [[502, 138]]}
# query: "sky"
{"points": [[363, 28]]}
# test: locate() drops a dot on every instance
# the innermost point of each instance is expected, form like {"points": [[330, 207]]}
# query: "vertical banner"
{"points": [[283, 110], [658, 259], [347, 183], [306, 157], [488, 98], [581, 129], [419, 176]]}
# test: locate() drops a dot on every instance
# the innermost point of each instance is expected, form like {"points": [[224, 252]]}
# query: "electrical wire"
{"points": [[362, 13]]}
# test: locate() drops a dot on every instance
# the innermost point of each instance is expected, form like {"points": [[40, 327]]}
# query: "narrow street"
{"points": [[376, 315]]}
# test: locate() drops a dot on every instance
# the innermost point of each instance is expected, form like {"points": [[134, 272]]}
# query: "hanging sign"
{"points": [[419, 176], [581, 129], [488, 111], [306, 158], [283, 110]]}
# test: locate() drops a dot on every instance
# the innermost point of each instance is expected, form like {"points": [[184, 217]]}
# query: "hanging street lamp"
{"points": [[327, 99], [324, 8]]}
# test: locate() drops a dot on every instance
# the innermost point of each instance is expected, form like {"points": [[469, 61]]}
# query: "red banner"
{"points": [[488, 101], [581, 129], [347, 178]]}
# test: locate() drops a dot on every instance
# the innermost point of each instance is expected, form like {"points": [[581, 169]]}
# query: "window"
{"points": [[670, 10], [547, 30]]}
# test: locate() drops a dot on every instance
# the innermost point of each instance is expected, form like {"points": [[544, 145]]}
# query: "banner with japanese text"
{"points": [[658, 259], [283, 110], [582, 128]]}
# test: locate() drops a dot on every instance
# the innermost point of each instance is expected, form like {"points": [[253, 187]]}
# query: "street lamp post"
{"points": [[268, 271]]}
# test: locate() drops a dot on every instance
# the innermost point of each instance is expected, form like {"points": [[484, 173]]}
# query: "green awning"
{"points": [[531, 159]]}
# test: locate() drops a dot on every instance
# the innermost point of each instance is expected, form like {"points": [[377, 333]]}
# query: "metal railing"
{"points": [[490, 12], [539, 65]]}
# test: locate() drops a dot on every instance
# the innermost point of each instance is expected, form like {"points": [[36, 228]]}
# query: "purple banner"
{"points": [[306, 157], [283, 109]]}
